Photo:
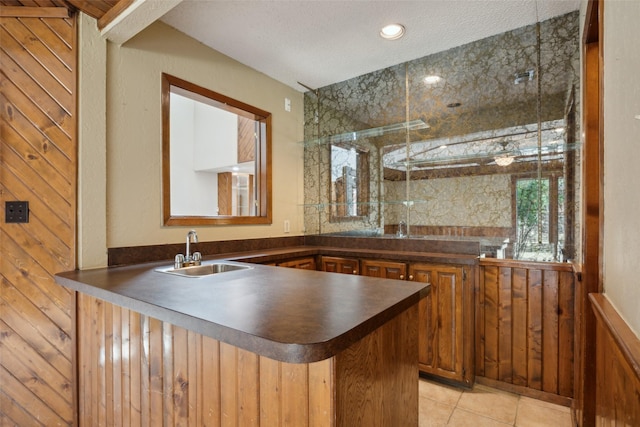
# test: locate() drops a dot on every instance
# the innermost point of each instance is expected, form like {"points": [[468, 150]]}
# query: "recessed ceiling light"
{"points": [[432, 79], [392, 32]]}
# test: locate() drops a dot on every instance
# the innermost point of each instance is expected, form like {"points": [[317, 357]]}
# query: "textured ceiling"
{"points": [[323, 42]]}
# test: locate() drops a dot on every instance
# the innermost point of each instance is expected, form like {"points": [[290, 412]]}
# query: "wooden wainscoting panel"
{"points": [[137, 370], [38, 164], [525, 328], [534, 332], [617, 367], [378, 370]]}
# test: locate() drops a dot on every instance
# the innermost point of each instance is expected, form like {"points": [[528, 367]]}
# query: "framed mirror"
{"points": [[349, 182], [216, 157]]}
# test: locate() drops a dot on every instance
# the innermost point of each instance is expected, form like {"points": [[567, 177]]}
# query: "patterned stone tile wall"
{"points": [[477, 201], [476, 104]]}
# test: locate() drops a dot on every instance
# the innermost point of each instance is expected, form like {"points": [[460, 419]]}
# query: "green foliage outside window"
{"points": [[532, 213]]}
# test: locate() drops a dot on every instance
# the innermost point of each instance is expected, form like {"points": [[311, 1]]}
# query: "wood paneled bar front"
{"points": [[525, 338], [265, 346]]}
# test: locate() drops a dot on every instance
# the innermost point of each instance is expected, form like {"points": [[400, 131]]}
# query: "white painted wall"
{"points": [[193, 192], [621, 158], [215, 131]]}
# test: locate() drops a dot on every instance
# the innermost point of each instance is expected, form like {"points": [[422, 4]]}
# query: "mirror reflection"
{"points": [[349, 182], [496, 159], [215, 157]]}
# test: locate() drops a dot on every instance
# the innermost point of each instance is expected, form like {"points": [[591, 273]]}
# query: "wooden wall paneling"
{"points": [[504, 325], [520, 327], [38, 163], [225, 193], [364, 385], [156, 374], [534, 333], [479, 323], [55, 80], [490, 327], [270, 392], [617, 371], [174, 371], [321, 403], [550, 332], [295, 384], [136, 370], [525, 328], [29, 11], [246, 139], [566, 334]]}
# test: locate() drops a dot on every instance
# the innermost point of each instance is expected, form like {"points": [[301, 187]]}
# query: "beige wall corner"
{"points": [[92, 172], [621, 154]]}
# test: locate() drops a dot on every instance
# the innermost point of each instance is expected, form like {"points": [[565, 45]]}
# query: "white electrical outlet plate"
{"points": [[287, 104], [287, 226]]}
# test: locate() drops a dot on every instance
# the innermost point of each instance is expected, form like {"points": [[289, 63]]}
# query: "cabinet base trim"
{"points": [[525, 391]]}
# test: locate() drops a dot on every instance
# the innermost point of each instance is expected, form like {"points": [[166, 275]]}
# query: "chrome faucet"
{"points": [[188, 259], [192, 237]]}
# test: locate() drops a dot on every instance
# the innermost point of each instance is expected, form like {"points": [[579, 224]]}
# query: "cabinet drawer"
{"points": [[384, 269], [307, 263], [340, 265]]}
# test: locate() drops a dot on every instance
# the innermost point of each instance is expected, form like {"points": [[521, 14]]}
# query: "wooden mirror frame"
{"points": [[263, 159]]}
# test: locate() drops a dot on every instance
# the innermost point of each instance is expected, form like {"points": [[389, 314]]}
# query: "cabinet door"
{"points": [[340, 265], [443, 316], [308, 263], [384, 269]]}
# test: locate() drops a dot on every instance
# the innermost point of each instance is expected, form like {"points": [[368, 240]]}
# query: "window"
{"points": [[539, 218]]}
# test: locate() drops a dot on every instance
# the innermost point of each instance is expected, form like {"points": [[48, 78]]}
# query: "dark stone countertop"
{"points": [[295, 316]]}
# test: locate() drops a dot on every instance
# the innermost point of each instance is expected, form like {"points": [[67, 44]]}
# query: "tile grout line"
{"points": [[455, 407], [515, 420]]}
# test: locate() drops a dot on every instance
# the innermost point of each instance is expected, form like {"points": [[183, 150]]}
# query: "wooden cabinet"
{"points": [[445, 342], [340, 265], [306, 263], [384, 269], [445, 323]]}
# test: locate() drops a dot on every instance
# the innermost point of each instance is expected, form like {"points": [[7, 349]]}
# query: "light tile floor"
{"points": [[442, 405]]}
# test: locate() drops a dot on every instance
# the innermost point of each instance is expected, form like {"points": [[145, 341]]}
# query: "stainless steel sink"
{"points": [[204, 269]]}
